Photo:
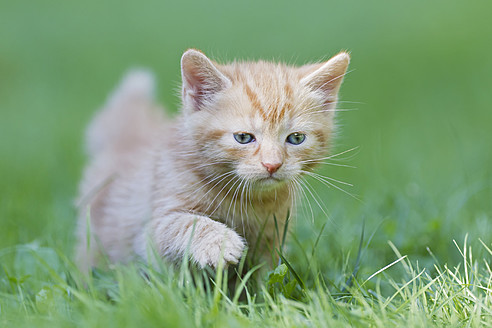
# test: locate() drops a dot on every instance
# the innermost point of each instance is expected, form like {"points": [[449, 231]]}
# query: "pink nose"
{"points": [[272, 167]]}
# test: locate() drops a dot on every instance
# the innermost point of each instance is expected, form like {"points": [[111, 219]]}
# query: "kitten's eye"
{"points": [[296, 138], [244, 138]]}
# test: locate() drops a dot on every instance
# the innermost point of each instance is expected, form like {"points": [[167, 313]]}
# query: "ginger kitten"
{"points": [[210, 180]]}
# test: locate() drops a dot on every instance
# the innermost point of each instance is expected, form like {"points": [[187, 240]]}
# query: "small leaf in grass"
{"points": [[278, 274], [19, 280], [276, 279]]}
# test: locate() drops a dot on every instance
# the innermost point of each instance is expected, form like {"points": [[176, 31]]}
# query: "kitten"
{"points": [[209, 182]]}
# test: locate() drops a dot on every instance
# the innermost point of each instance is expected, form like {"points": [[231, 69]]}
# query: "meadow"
{"points": [[412, 247]]}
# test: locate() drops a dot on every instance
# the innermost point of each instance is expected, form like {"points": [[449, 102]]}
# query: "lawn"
{"points": [[411, 248]]}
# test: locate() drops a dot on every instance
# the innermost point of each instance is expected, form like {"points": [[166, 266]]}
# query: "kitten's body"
{"points": [[152, 179]]}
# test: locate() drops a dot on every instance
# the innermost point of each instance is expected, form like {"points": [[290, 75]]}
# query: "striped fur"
{"points": [[187, 183]]}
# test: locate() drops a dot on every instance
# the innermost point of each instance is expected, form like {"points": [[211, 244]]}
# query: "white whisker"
{"points": [[329, 184], [233, 200], [236, 179], [329, 157], [325, 177], [298, 183], [335, 110], [224, 176], [306, 184], [334, 164]]}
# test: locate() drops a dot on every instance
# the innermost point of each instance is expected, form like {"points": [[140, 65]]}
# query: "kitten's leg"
{"points": [[172, 236]]}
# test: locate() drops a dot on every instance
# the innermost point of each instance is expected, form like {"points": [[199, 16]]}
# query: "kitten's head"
{"points": [[264, 122]]}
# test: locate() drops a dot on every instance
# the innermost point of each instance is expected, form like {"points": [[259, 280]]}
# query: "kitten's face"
{"points": [[266, 147], [265, 123]]}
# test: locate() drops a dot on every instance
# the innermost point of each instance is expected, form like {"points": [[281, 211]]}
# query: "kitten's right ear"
{"points": [[327, 77], [202, 80]]}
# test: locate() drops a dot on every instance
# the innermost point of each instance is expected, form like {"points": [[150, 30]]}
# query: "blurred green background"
{"points": [[421, 80]]}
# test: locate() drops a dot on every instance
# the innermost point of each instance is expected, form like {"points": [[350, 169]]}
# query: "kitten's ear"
{"points": [[327, 77], [201, 79]]}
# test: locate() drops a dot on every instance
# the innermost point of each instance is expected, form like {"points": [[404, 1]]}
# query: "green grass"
{"points": [[421, 80]]}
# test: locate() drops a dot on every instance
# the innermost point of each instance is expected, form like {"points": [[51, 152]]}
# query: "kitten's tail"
{"points": [[129, 118]]}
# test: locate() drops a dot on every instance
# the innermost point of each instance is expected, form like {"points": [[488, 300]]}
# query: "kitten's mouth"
{"points": [[270, 179], [269, 182]]}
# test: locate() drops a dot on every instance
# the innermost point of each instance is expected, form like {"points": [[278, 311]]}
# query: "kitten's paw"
{"points": [[216, 240]]}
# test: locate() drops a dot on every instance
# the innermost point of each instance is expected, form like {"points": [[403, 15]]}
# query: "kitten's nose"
{"points": [[272, 167]]}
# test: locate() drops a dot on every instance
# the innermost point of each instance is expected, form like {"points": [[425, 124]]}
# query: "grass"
{"points": [[51, 292], [421, 84]]}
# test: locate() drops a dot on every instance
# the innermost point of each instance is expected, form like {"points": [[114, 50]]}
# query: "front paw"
{"points": [[214, 241]]}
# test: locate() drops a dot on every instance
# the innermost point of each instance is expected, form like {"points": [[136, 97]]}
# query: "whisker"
{"points": [[293, 199], [236, 179], [325, 177], [224, 176], [329, 184], [331, 156], [298, 183], [306, 184], [202, 166], [351, 102], [310, 109], [243, 204], [336, 110], [233, 200], [321, 162]]}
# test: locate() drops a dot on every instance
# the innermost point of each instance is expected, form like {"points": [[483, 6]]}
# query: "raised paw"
{"points": [[214, 240]]}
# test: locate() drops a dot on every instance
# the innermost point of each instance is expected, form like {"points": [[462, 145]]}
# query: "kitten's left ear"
{"points": [[327, 77], [202, 80]]}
